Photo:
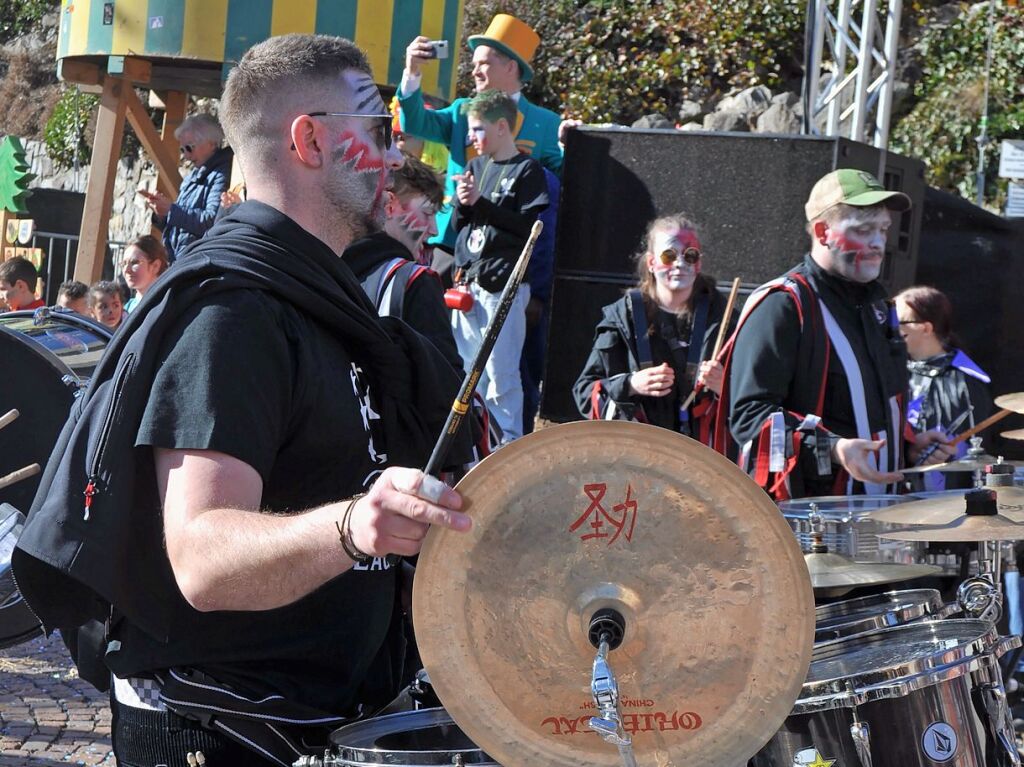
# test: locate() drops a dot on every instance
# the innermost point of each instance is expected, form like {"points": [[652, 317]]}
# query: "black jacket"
{"points": [[70, 568], [614, 357], [778, 363], [423, 308]]}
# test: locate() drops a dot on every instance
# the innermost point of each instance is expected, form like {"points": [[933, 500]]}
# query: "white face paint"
{"points": [[856, 245], [678, 275]]}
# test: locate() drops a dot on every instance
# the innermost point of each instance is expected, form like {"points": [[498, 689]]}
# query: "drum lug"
{"points": [[861, 735], [994, 699], [458, 760]]}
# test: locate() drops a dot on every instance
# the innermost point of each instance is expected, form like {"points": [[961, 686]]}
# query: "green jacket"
{"points": [[536, 135]]}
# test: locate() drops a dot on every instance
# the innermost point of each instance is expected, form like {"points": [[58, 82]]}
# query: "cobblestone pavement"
{"points": [[48, 716]]}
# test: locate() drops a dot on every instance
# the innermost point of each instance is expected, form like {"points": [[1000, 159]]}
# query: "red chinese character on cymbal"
{"points": [[624, 514]]}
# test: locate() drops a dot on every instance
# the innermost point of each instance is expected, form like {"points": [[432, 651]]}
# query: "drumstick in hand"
{"points": [[722, 330]]}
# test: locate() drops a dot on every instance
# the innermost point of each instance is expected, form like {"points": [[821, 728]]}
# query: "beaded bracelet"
{"points": [[345, 534]]}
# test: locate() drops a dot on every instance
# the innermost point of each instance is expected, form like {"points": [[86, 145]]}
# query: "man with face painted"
{"points": [[389, 263], [231, 562], [816, 374], [653, 345]]}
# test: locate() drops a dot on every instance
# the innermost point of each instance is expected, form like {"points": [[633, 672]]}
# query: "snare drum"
{"points": [[413, 738], [877, 611], [848, 531], [918, 695]]}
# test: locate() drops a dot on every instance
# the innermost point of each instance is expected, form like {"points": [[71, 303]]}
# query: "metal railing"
{"points": [[65, 248]]}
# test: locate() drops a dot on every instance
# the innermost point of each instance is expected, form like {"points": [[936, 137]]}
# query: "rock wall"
{"points": [[129, 218]]}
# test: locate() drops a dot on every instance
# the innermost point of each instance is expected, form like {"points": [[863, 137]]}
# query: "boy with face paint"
{"points": [[816, 375], [652, 346], [396, 253]]}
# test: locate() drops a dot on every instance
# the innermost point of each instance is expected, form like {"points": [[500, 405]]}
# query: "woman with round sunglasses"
{"points": [[651, 347], [188, 218]]}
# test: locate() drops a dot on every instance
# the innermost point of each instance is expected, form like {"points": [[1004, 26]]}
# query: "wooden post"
{"points": [[163, 157], [106, 149], [175, 105]]}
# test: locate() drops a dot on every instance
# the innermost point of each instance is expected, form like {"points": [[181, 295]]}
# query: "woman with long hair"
{"points": [[651, 347], [144, 260], [948, 390]]}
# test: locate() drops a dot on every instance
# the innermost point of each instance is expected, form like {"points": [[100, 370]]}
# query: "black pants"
{"points": [[149, 738]]}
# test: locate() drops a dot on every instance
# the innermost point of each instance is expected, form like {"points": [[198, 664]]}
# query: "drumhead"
{"points": [[840, 507], [45, 364], [424, 737], [901, 652]]}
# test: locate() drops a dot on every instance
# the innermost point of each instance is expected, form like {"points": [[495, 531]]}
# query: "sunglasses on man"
{"points": [[669, 256], [385, 119]]}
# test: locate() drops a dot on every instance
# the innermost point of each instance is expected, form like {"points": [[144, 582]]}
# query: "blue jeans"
{"points": [[500, 384]]}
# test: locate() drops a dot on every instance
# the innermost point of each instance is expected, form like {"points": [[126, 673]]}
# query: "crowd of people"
{"points": [[269, 404]]}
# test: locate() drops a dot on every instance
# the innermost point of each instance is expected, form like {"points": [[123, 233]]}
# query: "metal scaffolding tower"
{"points": [[850, 84]]}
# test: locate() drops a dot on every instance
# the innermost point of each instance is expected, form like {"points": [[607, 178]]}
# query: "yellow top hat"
{"points": [[512, 37]]}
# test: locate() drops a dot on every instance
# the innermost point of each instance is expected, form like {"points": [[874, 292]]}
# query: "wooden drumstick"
{"points": [[8, 417], [722, 330], [16, 476], [994, 418]]}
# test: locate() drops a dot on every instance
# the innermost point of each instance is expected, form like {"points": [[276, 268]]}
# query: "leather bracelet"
{"points": [[345, 534]]}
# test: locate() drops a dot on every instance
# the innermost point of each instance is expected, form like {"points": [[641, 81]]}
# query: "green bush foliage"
{"points": [[67, 130], [20, 16], [617, 60], [943, 126]]}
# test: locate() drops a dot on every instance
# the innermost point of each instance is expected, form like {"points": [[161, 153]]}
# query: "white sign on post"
{"points": [[1015, 201], [1011, 159]]}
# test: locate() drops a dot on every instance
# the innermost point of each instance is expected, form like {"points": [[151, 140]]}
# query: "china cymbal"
{"points": [[964, 529], [945, 509], [1014, 402], [717, 602], [832, 575], [1013, 434]]}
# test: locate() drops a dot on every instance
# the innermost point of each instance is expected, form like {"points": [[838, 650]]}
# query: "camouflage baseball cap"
{"points": [[851, 187]]}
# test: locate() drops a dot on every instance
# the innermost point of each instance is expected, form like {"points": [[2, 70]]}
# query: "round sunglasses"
{"points": [[669, 256]]}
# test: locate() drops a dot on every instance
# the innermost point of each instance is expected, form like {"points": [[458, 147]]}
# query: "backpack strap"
{"points": [[638, 314], [387, 284]]}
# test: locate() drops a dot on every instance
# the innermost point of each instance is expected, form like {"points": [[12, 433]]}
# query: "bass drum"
{"points": [[48, 356]]}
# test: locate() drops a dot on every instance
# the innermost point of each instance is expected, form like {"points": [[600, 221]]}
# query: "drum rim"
{"points": [[904, 595], [419, 719], [900, 677], [896, 614]]}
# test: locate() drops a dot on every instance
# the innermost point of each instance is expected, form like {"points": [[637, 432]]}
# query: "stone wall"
{"points": [[129, 217]]}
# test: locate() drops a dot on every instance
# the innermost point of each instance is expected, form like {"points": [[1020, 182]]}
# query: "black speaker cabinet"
{"points": [[745, 192]]}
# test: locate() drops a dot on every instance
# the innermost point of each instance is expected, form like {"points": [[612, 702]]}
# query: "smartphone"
{"points": [[439, 49]]}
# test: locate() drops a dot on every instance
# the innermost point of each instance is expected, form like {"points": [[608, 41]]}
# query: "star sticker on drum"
{"points": [[811, 757]]}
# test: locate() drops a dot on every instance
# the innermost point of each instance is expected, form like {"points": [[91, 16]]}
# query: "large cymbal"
{"points": [[1013, 434], [717, 601], [944, 509], [964, 529], [832, 575], [1014, 402]]}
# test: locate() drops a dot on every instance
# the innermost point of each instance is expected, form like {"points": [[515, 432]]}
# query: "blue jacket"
{"points": [[193, 213], [536, 135]]}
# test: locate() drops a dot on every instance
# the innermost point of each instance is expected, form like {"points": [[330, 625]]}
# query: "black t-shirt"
{"points": [[250, 376], [494, 229]]}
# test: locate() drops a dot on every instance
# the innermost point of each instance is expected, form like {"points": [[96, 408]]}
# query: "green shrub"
{"points": [[942, 127], [67, 129]]}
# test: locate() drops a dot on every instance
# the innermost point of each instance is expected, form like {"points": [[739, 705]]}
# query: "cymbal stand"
{"points": [[981, 596], [606, 627]]}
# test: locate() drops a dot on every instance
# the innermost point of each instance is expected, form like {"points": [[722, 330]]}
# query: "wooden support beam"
{"points": [[81, 72], [106, 149], [175, 106], [130, 68], [165, 160]]}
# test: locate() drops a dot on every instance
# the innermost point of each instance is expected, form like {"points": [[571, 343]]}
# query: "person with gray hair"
{"points": [[252, 496], [190, 216]]}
